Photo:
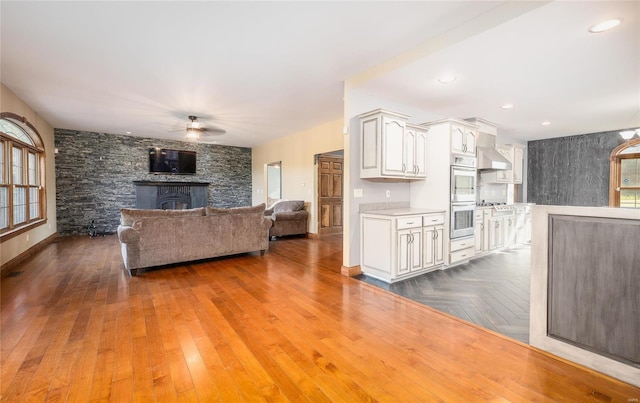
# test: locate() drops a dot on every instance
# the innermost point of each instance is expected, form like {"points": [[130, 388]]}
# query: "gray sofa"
{"points": [[159, 237], [289, 218]]}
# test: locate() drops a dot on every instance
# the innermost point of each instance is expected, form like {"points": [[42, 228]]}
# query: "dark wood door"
{"points": [[330, 177]]}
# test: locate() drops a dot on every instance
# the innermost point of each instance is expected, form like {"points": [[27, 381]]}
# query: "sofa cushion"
{"points": [[129, 215], [288, 205], [259, 209]]}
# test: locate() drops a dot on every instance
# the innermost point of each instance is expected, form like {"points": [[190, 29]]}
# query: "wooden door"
{"points": [[330, 185]]}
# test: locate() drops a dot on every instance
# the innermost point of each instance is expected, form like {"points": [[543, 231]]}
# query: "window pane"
{"points": [[2, 161], [16, 169], [630, 198], [33, 169], [4, 207], [15, 131], [34, 203], [19, 205], [629, 173]]}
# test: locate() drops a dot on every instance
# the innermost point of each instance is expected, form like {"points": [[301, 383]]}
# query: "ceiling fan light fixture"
{"points": [[192, 134]]}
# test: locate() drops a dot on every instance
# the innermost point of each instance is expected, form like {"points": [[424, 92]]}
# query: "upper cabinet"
{"points": [[463, 140], [391, 148], [514, 153]]}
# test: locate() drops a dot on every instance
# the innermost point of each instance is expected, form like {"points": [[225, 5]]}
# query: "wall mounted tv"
{"points": [[172, 162]]}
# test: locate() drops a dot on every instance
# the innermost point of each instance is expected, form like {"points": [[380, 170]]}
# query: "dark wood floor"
{"points": [[281, 327], [491, 291]]}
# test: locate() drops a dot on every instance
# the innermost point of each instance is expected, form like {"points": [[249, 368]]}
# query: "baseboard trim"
{"points": [[11, 264], [351, 271]]}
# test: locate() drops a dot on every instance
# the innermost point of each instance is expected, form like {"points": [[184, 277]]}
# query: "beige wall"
{"points": [[297, 153], [13, 247]]}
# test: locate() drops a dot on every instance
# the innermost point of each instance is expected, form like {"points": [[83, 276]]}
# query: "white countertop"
{"points": [[403, 211]]}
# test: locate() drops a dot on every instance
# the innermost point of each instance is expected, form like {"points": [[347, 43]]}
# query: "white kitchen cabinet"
{"points": [[409, 250], [518, 163], [515, 155], [510, 230], [496, 233], [461, 249], [523, 224], [463, 140], [482, 230], [433, 245], [415, 154], [390, 148], [394, 248]]}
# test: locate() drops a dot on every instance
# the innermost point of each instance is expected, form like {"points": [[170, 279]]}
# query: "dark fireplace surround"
{"points": [[170, 195]]}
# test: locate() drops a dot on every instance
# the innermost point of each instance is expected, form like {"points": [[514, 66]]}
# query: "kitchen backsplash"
{"points": [[494, 192]]}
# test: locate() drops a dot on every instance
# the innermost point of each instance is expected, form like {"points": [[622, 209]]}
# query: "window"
{"points": [[624, 180], [21, 178]]}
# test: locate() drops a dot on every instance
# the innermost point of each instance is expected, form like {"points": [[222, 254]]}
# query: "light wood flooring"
{"points": [[281, 327], [491, 291]]}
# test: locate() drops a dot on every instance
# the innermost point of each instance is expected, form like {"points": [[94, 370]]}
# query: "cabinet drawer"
{"points": [[462, 244], [409, 222], [436, 219], [479, 215], [463, 254]]}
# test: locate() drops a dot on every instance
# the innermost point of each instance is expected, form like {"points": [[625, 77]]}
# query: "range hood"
{"points": [[490, 158]]}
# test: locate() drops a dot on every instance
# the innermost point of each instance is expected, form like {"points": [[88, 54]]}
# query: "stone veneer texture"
{"points": [[571, 171], [95, 174]]}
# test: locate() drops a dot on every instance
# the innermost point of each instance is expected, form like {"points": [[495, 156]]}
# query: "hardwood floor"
{"points": [[491, 291], [281, 327]]}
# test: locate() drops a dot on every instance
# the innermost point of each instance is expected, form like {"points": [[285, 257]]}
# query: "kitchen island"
{"points": [[585, 287]]}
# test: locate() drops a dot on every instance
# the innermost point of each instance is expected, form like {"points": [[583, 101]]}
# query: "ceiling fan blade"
{"points": [[213, 130]]}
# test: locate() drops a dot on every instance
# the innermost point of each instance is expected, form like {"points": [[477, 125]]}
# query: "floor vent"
{"points": [[14, 274]]}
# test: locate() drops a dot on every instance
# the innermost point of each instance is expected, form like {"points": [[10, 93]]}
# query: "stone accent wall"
{"points": [[95, 174], [571, 171]]}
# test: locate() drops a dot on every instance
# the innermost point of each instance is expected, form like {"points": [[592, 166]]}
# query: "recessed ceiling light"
{"points": [[628, 134], [128, 132], [507, 106], [605, 25], [545, 123], [448, 78]]}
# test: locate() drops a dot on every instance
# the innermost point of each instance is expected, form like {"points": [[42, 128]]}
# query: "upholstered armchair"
{"points": [[289, 218]]}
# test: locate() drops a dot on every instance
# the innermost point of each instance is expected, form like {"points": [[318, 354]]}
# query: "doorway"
{"points": [[330, 188]]}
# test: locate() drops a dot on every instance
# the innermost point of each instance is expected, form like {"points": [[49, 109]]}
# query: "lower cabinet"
{"points": [[395, 248], [433, 246], [496, 233], [461, 249]]}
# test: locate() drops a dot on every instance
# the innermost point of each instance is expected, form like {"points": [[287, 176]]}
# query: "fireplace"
{"points": [[170, 195]]}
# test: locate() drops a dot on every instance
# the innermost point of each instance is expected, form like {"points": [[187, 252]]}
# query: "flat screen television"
{"points": [[172, 162]]}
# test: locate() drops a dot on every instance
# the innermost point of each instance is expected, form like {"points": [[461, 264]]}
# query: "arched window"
{"points": [[624, 178], [22, 191]]}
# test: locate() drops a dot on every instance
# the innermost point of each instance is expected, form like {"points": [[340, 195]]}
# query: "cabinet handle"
{"points": [[404, 167], [463, 255]]}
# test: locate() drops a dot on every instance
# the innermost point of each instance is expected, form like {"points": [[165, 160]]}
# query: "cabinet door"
{"points": [[439, 246], [404, 253], [429, 247], [410, 152], [416, 249], [393, 134], [510, 231], [420, 159], [470, 142], [505, 175], [457, 140], [479, 234], [517, 165]]}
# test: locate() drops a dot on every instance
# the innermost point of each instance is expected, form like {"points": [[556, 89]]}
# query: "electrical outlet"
{"points": [[357, 193], [388, 193]]}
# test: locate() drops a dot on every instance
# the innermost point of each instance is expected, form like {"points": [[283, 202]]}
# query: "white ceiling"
{"points": [[261, 70]]}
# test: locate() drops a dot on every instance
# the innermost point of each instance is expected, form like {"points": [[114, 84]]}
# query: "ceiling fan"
{"points": [[195, 129]]}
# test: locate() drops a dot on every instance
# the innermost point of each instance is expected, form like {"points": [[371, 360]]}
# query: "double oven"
{"points": [[463, 196]]}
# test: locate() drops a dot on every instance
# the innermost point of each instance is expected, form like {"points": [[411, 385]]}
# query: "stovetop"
{"points": [[489, 204]]}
